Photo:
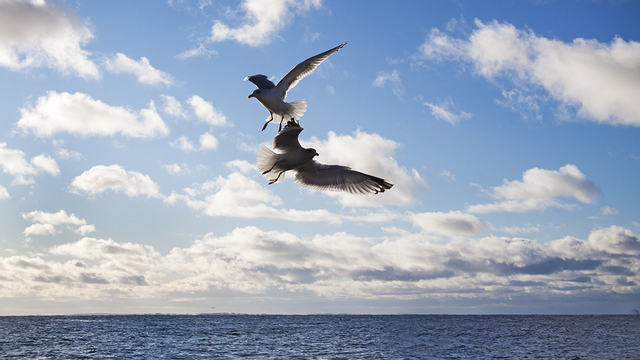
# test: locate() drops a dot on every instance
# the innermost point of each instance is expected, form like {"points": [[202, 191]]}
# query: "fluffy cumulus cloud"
{"points": [[252, 261], [81, 115], [371, 154], [172, 106], [540, 189], [143, 71], [205, 111], [4, 194], [600, 80], [36, 34], [101, 178], [45, 223], [14, 162], [207, 142], [238, 195], [261, 20]]}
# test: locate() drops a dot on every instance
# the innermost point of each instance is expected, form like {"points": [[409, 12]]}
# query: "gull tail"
{"points": [[296, 109], [266, 163]]}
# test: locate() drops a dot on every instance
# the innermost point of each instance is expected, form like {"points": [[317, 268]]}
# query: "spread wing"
{"points": [[339, 178], [261, 81], [287, 138], [303, 69]]}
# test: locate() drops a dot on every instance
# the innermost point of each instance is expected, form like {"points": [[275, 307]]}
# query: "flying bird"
{"points": [[309, 173], [272, 96]]}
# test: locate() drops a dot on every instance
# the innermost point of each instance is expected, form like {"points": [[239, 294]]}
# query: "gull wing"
{"points": [[339, 178], [301, 70], [261, 81], [287, 138]]}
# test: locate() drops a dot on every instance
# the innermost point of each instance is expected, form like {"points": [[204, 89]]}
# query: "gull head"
{"points": [[309, 153], [256, 93]]}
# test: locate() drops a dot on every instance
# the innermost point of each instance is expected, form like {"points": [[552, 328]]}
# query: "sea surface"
{"points": [[320, 337]]}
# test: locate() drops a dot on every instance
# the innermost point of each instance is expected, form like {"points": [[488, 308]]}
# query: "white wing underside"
{"points": [[301, 70]]}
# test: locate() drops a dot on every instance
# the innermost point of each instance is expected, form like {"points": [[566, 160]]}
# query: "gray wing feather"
{"points": [[339, 178], [261, 81], [287, 138], [303, 69]]}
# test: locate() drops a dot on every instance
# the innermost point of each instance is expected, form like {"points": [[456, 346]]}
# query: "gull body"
{"points": [[309, 173], [272, 96]]}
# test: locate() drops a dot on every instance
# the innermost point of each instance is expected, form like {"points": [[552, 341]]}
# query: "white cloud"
{"points": [[243, 166], [172, 106], [205, 111], [101, 178], [124, 254], [539, 189], [262, 20], [239, 196], [447, 175], [208, 142], [601, 81], [35, 34], [4, 194], [66, 154], [451, 223], [339, 265], [79, 114], [615, 240], [519, 229], [142, 69], [183, 143], [392, 78], [371, 154], [14, 163], [441, 112], [175, 169], [201, 50], [45, 223], [608, 210]]}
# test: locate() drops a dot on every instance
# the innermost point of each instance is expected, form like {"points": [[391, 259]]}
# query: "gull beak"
{"points": [[250, 96]]}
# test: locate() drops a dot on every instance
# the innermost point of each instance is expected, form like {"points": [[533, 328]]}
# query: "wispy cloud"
{"points": [[441, 112], [447, 175], [201, 50], [393, 79]]}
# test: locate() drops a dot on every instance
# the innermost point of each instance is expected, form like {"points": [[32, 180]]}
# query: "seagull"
{"points": [[309, 173], [272, 96]]}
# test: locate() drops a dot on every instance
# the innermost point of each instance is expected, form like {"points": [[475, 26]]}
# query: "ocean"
{"points": [[320, 337]]}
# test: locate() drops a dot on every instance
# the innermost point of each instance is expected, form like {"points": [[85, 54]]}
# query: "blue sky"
{"points": [[509, 129]]}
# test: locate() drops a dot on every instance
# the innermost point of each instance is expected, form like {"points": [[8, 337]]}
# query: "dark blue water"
{"points": [[320, 337]]}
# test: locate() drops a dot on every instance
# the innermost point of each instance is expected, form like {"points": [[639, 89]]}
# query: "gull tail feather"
{"points": [[266, 163], [296, 109]]}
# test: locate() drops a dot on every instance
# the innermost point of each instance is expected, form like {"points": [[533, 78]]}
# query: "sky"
{"points": [[509, 130]]}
